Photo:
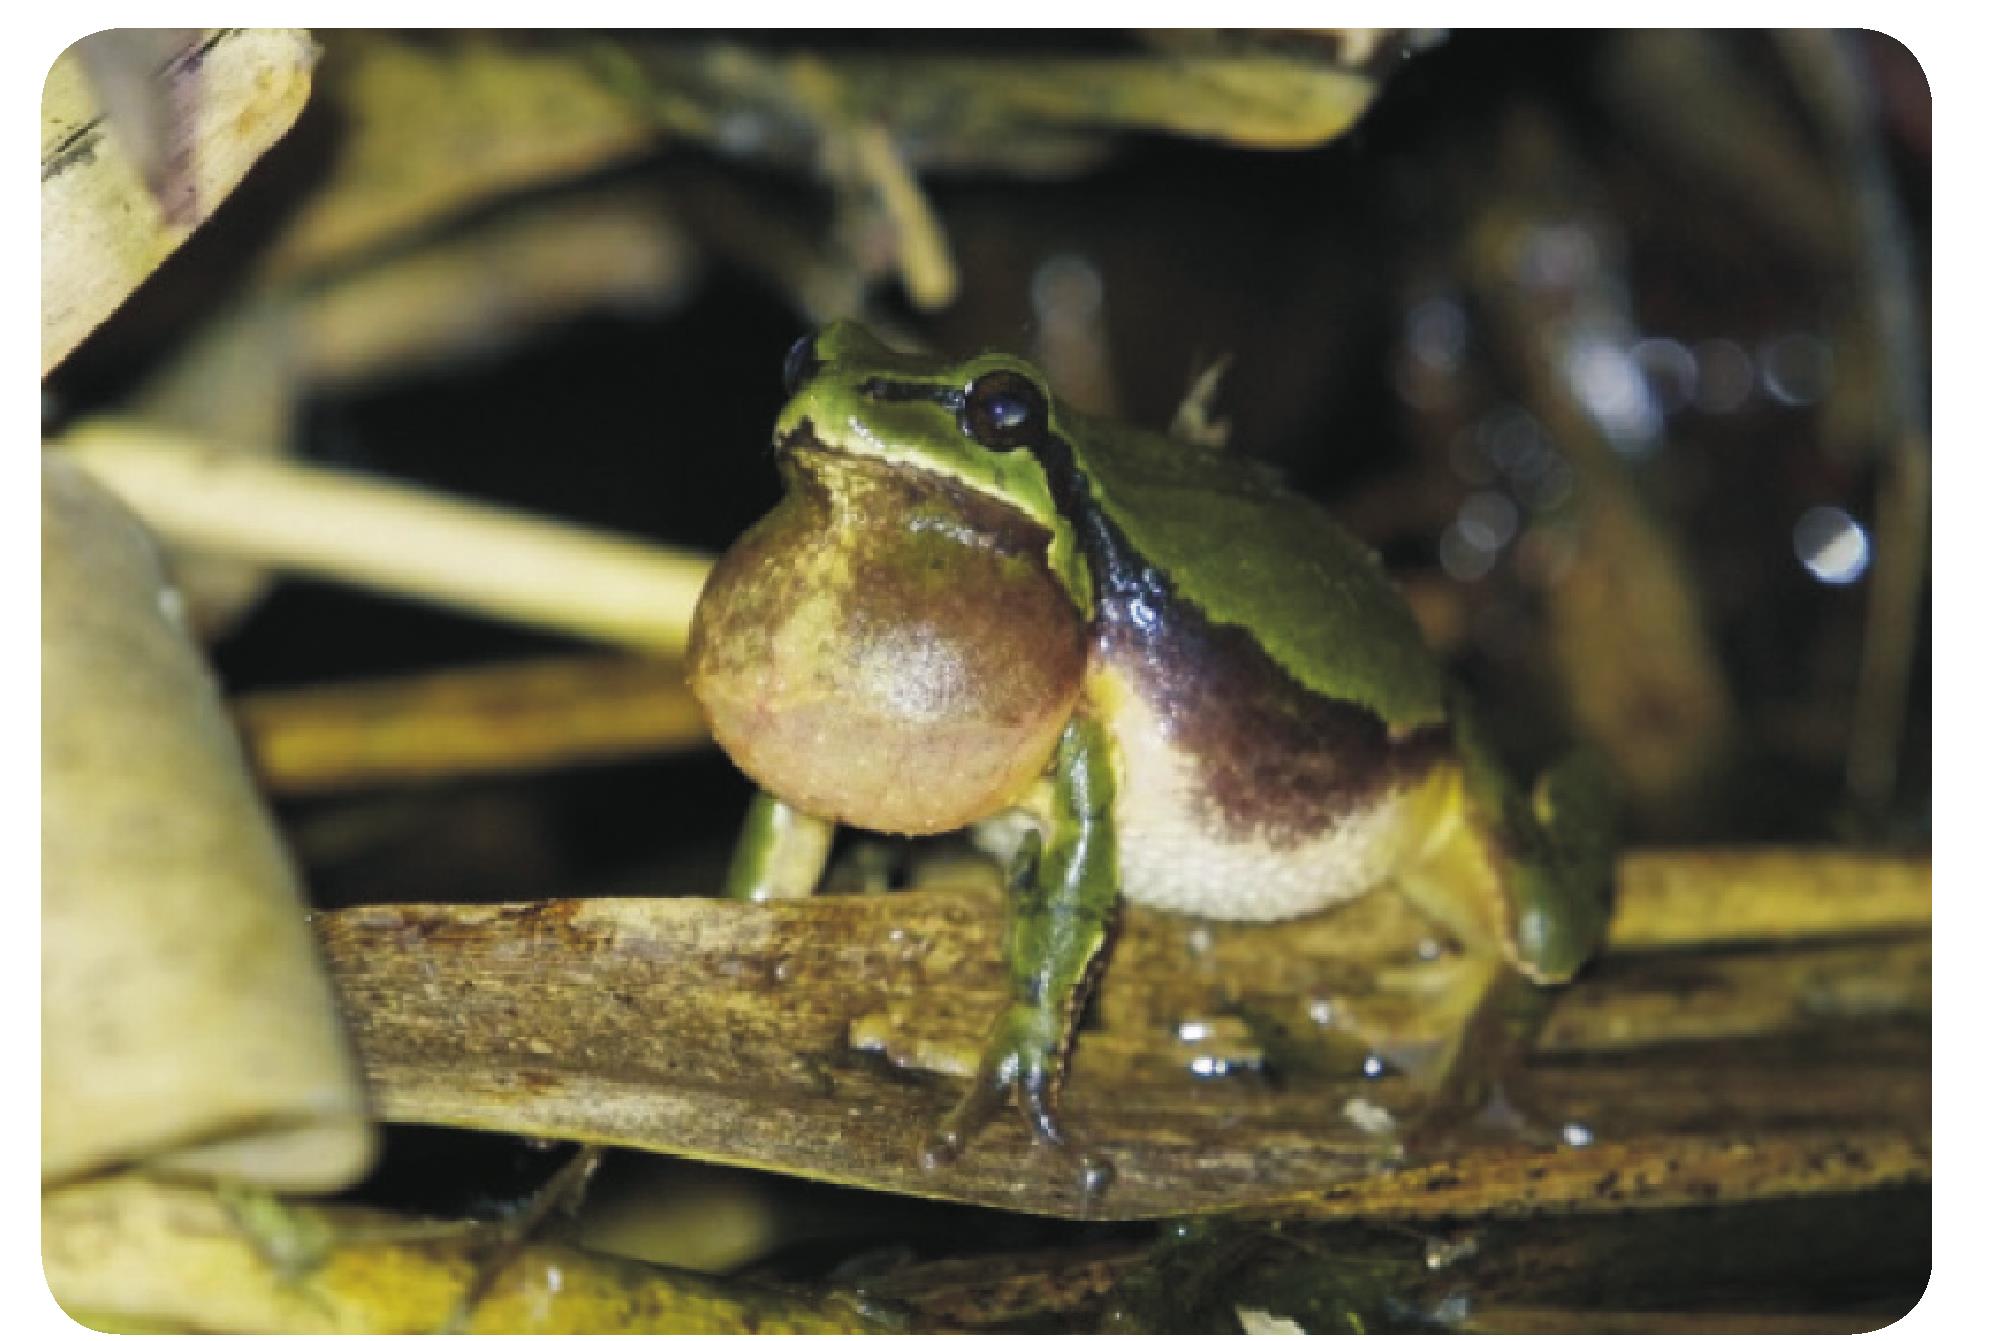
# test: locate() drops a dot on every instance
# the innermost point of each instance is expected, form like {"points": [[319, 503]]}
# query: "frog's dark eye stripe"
{"points": [[801, 363], [1004, 410], [881, 388]]}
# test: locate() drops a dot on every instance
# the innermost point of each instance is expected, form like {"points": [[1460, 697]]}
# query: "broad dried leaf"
{"points": [[434, 127], [186, 1020]]}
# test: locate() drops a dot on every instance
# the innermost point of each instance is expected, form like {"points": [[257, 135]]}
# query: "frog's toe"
{"points": [[1495, 1110], [950, 1137], [1022, 1066], [1502, 1112], [1037, 1100]]}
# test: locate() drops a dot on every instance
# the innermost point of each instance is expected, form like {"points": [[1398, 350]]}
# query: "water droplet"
{"points": [[1194, 1031], [1577, 1134], [1440, 1253], [940, 1150], [1373, 1067], [1452, 1311], [1323, 1010], [1831, 544], [1094, 1175], [1371, 1118]]}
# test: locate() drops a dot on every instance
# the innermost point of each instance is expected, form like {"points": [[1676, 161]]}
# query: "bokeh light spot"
{"points": [[1831, 544], [1727, 376]]}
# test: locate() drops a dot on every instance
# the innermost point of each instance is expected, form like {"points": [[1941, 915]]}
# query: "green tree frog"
{"points": [[1143, 668]]}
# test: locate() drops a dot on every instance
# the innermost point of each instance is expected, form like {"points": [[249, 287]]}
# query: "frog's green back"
{"points": [[1247, 551]]}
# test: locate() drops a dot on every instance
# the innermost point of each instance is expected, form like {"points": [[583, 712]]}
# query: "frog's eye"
{"points": [[1003, 409], [800, 363]]}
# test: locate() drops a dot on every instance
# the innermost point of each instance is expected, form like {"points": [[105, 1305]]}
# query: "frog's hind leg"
{"points": [[1520, 883], [1485, 1012], [1551, 854]]}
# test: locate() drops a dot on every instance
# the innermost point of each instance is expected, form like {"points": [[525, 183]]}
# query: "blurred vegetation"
{"points": [[1611, 342]]}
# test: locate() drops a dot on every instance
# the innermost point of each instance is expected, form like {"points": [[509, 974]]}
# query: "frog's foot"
{"points": [[561, 1195], [1023, 1064], [1483, 1110]]}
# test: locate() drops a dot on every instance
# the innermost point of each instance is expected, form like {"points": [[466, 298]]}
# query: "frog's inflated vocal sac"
{"points": [[1145, 665]]}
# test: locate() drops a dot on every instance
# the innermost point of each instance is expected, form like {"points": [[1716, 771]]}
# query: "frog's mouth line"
{"points": [[801, 443], [802, 447]]}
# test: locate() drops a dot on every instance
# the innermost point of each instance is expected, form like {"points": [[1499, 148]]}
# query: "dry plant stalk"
{"points": [[482, 719], [1717, 895], [397, 538], [726, 1031]]}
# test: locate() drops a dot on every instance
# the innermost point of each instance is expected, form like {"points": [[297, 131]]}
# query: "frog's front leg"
{"points": [[1062, 899], [781, 853]]}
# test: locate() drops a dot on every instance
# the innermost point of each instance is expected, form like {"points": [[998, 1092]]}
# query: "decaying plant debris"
{"points": [[120, 193], [130, 1252]]}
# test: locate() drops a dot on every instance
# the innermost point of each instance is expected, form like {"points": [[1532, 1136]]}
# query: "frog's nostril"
{"points": [[800, 363]]}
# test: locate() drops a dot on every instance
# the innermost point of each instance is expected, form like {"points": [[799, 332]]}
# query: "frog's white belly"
{"points": [[1175, 853]]}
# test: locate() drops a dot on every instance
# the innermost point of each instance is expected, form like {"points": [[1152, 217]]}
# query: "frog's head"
{"points": [[984, 424], [899, 643]]}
